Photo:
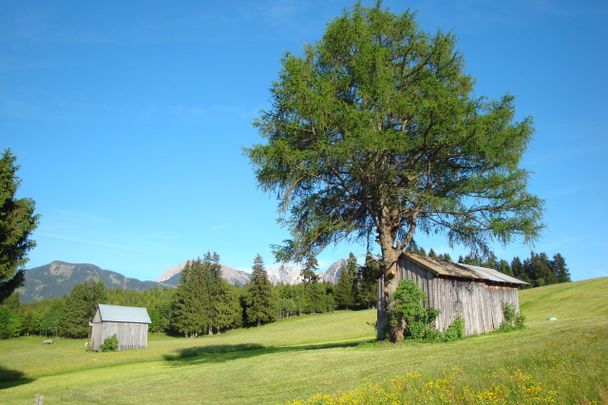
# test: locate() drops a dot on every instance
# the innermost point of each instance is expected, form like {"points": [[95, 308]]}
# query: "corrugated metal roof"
{"points": [[460, 270], [118, 313]]}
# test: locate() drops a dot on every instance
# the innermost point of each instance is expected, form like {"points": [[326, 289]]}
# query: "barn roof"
{"points": [[461, 270], [118, 313]]}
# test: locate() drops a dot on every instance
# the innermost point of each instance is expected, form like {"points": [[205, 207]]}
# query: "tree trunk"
{"points": [[387, 285]]}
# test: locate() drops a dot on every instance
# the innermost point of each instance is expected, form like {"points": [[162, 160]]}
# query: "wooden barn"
{"points": [[129, 324], [475, 293]]}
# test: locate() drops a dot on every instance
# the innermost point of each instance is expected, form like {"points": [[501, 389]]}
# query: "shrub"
{"points": [[408, 306], [512, 319], [455, 331], [110, 344]]}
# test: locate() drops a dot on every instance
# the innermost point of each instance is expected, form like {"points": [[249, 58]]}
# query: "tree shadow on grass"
{"points": [[11, 378], [223, 353]]}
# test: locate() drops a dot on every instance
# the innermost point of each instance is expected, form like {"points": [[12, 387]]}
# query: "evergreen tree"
{"points": [[312, 288], [230, 312], [445, 257], [367, 279], [432, 254], [189, 315], [560, 270], [308, 273], [345, 288], [17, 222], [214, 301], [80, 306], [414, 248], [503, 267], [259, 307], [518, 270]]}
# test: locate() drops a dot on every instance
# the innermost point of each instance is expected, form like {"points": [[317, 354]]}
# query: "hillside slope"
{"points": [[57, 279], [333, 352]]}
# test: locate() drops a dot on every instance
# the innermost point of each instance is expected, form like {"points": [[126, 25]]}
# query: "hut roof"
{"points": [[461, 270], [118, 313]]}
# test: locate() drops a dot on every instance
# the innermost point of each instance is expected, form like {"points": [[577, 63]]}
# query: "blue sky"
{"points": [[129, 118]]}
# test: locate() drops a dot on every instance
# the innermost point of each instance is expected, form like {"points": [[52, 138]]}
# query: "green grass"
{"points": [[329, 353]]}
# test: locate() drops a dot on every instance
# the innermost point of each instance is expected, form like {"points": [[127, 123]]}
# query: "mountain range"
{"points": [[57, 278], [173, 274]]}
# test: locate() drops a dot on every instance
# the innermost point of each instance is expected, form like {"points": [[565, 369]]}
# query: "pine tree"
{"points": [[259, 303], [560, 270], [345, 288], [367, 280], [314, 293], [518, 269], [414, 248], [185, 304], [445, 257], [80, 306], [214, 302], [230, 312], [503, 267], [308, 272], [17, 222], [432, 254]]}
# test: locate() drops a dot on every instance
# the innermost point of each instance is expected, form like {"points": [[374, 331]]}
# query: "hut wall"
{"points": [[479, 303], [130, 335]]}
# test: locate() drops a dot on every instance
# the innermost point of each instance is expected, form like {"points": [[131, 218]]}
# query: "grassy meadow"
{"points": [[332, 358]]}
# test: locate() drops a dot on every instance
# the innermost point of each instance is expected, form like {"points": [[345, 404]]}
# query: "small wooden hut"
{"points": [[129, 324], [475, 293]]}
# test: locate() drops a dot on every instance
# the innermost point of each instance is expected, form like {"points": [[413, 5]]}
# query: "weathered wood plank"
{"points": [[479, 302]]}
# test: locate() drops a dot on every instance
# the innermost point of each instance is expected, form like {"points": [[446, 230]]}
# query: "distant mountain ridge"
{"points": [[284, 273], [174, 273], [57, 278]]}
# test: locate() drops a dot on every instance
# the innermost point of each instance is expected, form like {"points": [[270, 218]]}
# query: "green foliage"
{"points": [[367, 276], [537, 270], [512, 319], [302, 355], [10, 323], [455, 331], [17, 222], [408, 308], [346, 287], [204, 302], [80, 306], [376, 129], [304, 298], [258, 296], [157, 301], [109, 344], [191, 306]]}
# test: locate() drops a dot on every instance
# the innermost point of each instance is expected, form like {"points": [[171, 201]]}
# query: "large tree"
{"points": [[204, 301], [190, 315], [375, 132], [17, 222], [80, 306]]}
